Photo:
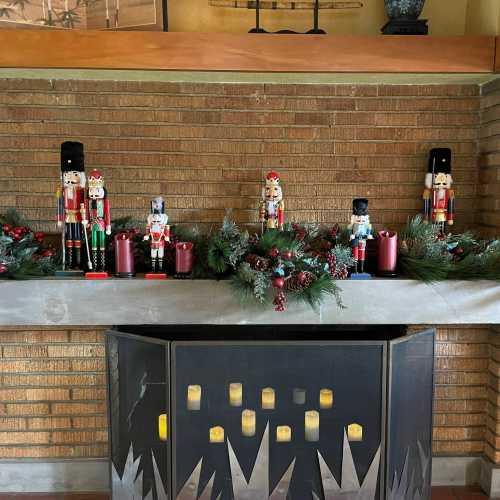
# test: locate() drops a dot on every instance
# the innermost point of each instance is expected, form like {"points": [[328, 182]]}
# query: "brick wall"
{"points": [[488, 215], [206, 147], [52, 393]]}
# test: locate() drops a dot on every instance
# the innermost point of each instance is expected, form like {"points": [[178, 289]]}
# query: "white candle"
{"points": [[268, 398], [355, 432], [283, 434], [236, 394], [248, 421], [216, 434], [311, 424], [194, 397], [299, 396], [325, 399]]}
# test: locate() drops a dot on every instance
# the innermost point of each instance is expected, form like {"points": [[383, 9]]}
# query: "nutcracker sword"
{"points": [[82, 211]]}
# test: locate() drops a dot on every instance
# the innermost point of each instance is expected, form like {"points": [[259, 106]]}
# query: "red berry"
{"points": [[278, 282], [39, 236], [273, 252], [6, 228], [302, 276], [3, 268], [47, 253], [287, 254]]}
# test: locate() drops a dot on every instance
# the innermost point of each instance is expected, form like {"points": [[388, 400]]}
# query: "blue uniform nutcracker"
{"points": [[361, 231]]}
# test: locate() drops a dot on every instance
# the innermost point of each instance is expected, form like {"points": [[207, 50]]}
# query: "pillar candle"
{"points": [[217, 434], [235, 394], [325, 399], [312, 425], [162, 427], [248, 423], [194, 397], [355, 432], [124, 255], [184, 257], [387, 243], [268, 398], [299, 396], [283, 434]]}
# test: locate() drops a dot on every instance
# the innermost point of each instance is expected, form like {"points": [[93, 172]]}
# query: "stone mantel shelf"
{"points": [[139, 301]]}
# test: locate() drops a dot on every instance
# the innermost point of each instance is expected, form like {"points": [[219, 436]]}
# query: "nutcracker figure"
{"points": [[96, 215], [158, 232], [70, 196], [272, 207], [361, 231], [439, 197]]}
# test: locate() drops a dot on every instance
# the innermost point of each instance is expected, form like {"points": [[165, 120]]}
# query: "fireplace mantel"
{"points": [[138, 301]]}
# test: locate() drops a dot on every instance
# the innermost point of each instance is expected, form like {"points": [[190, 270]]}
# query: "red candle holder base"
{"points": [[101, 275], [156, 276]]}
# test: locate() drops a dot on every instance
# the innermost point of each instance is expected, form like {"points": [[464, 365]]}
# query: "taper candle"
{"points": [[194, 397], [162, 427], [248, 423], [355, 432], [312, 425], [217, 434], [235, 394], [283, 434], [325, 399], [268, 398]]}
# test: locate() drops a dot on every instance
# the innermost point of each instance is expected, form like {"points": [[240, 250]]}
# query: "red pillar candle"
{"points": [[387, 253], [184, 257], [124, 255]]}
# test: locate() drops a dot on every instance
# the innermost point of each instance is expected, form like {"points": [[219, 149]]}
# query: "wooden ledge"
{"points": [[264, 53]]}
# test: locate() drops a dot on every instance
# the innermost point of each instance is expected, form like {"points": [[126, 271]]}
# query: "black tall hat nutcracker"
{"points": [[439, 197], [361, 230], [70, 196]]}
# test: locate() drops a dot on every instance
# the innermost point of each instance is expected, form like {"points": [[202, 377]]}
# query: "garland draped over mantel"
{"points": [[300, 264]]}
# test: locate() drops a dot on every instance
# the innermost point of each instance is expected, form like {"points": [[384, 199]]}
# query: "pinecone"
{"points": [[299, 281], [257, 262], [280, 301]]}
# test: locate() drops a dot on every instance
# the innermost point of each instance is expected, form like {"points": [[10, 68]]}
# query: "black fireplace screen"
{"points": [[266, 419]]}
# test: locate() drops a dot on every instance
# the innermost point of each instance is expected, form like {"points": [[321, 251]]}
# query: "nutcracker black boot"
{"points": [[160, 265], [69, 255], [153, 265], [94, 259], [103, 259], [78, 257]]}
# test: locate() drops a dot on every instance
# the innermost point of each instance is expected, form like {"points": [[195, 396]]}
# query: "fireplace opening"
{"points": [[270, 412]]}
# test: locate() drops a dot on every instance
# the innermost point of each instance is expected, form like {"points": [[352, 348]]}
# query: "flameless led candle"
{"points": [[312, 425], [217, 434], [355, 432], [325, 399], [248, 423], [235, 394], [268, 398], [283, 434], [194, 397], [162, 427], [299, 396]]}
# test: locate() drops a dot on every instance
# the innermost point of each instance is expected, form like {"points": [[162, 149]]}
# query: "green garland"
{"points": [[428, 255], [22, 252]]}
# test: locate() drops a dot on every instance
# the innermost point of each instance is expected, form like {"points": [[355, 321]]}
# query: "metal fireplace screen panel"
{"points": [[410, 417], [139, 408], [257, 466]]}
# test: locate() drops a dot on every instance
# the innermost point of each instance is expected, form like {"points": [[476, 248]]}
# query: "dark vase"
{"points": [[404, 9]]}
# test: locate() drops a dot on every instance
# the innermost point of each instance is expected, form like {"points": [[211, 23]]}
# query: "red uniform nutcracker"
{"points": [[96, 212], [69, 199], [272, 207], [439, 197], [158, 232]]}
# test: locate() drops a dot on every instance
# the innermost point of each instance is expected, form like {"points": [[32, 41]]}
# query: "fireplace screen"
{"points": [[270, 419]]}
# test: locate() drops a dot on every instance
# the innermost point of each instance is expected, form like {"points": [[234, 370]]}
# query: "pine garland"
{"points": [[428, 255], [23, 254]]}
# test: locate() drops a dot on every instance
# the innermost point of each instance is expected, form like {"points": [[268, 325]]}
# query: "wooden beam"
{"points": [[263, 53]]}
